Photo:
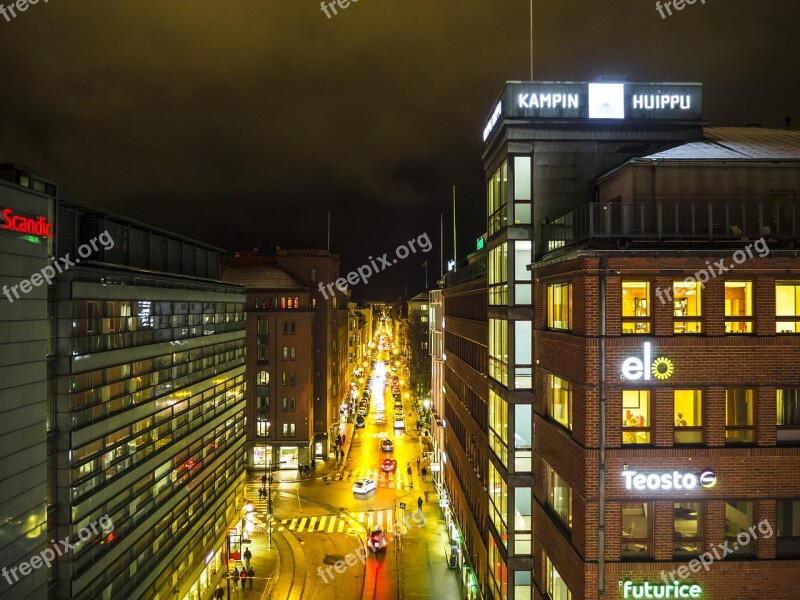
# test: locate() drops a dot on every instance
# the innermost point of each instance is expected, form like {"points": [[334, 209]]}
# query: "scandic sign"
{"points": [[30, 225]]}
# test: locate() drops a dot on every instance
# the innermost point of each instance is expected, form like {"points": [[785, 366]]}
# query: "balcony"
{"points": [[701, 222]]}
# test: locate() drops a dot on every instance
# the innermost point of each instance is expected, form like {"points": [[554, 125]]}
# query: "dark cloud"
{"points": [[241, 121]]}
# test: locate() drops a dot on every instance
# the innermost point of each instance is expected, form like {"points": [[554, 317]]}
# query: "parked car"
{"points": [[363, 486]]}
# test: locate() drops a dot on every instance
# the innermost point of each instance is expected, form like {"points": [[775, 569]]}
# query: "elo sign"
{"points": [[633, 367], [675, 480]]}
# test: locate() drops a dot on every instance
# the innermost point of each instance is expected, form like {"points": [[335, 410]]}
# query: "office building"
{"points": [[141, 411]]}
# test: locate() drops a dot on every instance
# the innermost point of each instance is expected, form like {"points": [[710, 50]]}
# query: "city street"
{"points": [[319, 519]]}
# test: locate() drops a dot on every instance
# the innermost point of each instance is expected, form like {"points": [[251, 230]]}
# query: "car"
{"points": [[387, 445], [364, 486], [399, 422], [360, 422], [389, 465], [377, 541]]}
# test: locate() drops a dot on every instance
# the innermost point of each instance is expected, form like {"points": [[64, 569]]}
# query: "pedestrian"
{"points": [[408, 470], [418, 463], [263, 480], [235, 578], [343, 438], [419, 503], [247, 556], [243, 576], [424, 473], [219, 594], [250, 574]]}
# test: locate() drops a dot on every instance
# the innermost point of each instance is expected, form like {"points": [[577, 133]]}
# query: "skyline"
{"points": [[222, 108]]}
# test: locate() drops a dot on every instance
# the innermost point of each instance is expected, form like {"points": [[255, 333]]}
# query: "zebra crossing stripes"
{"points": [[397, 480], [338, 524]]}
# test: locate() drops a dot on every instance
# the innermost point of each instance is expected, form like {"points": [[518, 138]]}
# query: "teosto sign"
{"points": [[30, 225], [676, 480]]}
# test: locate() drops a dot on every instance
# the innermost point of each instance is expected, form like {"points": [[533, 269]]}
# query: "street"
{"points": [[321, 526]]}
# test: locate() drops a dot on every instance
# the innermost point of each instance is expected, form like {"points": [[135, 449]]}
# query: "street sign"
{"points": [[246, 540], [402, 505]]}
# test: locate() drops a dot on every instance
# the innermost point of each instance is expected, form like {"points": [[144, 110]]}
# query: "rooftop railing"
{"points": [[673, 221]]}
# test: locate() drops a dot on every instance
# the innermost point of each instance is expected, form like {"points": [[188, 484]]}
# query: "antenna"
{"points": [[329, 231], [531, 40], [455, 254]]}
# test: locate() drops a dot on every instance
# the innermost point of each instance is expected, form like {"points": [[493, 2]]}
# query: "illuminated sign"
{"points": [[667, 481], [633, 367], [498, 110], [583, 100], [648, 589], [22, 224]]}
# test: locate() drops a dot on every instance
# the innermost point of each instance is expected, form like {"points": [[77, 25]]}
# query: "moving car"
{"points": [[399, 422], [363, 486], [389, 465], [377, 541], [360, 422], [387, 445]]}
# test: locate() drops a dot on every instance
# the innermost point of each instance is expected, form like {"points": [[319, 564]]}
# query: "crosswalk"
{"points": [[339, 524], [396, 481]]}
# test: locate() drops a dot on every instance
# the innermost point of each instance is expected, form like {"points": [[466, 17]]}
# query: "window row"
{"points": [[280, 303], [686, 298], [688, 409]]}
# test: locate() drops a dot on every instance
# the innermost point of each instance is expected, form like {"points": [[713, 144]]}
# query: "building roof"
{"points": [[260, 276], [738, 143]]}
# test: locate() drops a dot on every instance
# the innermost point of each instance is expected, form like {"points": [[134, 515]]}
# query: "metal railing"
{"points": [[673, 221]]}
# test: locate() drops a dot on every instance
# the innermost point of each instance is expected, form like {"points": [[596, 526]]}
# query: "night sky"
{"points": [[238, 122]]}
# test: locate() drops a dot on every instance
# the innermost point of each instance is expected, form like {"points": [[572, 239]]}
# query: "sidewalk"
{"points": [[265, 564]]}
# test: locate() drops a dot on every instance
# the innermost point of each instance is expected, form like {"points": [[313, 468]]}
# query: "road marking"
{"points": [[311, 523], [331, 524]]}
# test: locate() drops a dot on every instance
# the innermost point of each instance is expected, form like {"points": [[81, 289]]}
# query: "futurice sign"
{"points": [[619, 101]]}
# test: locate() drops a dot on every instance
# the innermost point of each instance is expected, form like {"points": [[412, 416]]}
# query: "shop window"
{"points": [[788, 529], [559, 400], [789, 415], [687, 529], [635, 417], [739, 416], [559, 496], [687, 307], [738, 307], [636, 530], [688, 414], [636, 314], [738, 520], [787, 307], [556, 586], [559, 306]]}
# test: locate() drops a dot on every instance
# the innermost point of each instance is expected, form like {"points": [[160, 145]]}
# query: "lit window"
{"points": [[635, 417], [738, 307], [687, 529], [498, 199], [688, 414], [739, 416], [687, 307], [636, 314], [556, 587], [739, 519], [559, 496], [288, 430], [636, 528], [262, 428], [559, 400], [559, 306], [498, 275], [787, 307], [789, 415], [498, 426]]}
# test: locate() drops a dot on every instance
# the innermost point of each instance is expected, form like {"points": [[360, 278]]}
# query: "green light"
{"points": [[480, 243], [32, 239]]}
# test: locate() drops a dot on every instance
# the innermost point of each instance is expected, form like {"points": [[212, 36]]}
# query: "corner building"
{"points": [[666, 408]]}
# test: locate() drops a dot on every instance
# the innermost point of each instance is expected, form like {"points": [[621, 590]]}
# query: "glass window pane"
{"points": [[635, 417]]}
